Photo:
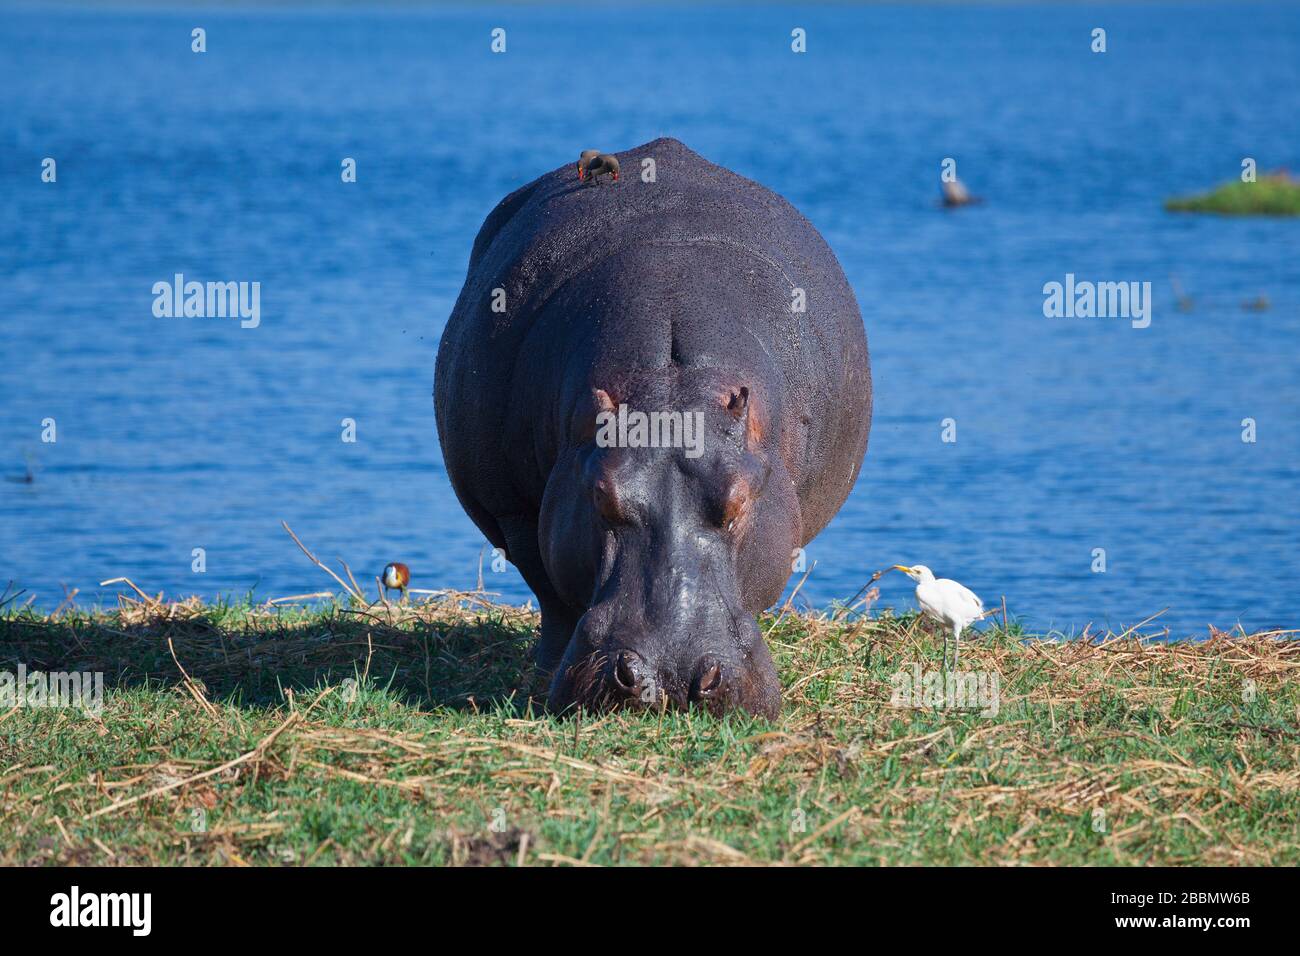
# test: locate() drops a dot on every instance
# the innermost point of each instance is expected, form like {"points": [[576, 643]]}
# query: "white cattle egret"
{"points": [[947, 602]]}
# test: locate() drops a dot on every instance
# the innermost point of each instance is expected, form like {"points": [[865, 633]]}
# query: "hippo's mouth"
{"points": [[605, 680], [600, 682]]}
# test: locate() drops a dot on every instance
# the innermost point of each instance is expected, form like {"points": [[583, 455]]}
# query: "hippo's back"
{"points": [[557, 234]]}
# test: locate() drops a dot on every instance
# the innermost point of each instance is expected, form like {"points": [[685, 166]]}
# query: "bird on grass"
{"points": [[586, 156], [951, 604], [600, 166], [397, 577]]}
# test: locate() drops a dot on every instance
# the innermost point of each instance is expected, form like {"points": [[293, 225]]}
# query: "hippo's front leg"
{"points": [[558, 619], [558, 625]]}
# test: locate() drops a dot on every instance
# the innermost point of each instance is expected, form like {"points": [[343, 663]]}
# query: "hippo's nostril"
{"points": [[710, 681], [626, 671]]}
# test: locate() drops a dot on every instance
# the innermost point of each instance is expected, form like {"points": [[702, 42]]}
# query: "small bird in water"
{"points": [[397, 577], [586, 156], [947, 602], [955, 193], [600, 165]]}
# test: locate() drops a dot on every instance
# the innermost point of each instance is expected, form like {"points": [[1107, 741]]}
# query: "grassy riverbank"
{"points": [[1274, 194], [348, 735]]}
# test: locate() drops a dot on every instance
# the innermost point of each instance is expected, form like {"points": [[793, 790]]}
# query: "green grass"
{"points": [[1274, 194], [345, 735]]}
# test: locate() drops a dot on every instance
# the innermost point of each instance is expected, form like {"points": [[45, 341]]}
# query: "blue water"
{"points": [[1072, 434]]}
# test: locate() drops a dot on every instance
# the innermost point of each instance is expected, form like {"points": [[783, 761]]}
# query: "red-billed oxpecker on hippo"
{"points": [[604, 164], [650, 397], [586, 156]]}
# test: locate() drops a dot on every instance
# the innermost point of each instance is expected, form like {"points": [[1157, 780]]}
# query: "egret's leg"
{"points": [[956, 645]]}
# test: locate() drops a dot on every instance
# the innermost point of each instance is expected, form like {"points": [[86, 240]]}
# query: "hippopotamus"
{"points": [[691, 298]]}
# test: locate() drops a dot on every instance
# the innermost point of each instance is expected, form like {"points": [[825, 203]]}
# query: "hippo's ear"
{"points": [[738, 404], [603, 402]]}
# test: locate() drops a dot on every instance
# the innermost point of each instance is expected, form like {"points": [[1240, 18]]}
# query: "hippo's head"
{"points": [[673, 529]]}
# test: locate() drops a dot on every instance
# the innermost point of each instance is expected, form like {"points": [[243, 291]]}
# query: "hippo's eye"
{"points": [[607, 503], [736, 504]]}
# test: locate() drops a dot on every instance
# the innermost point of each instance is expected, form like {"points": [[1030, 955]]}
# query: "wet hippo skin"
{"points": [[679, 294]]}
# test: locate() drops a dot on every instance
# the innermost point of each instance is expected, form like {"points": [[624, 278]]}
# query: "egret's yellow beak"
{"points": [[899, 567]]}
